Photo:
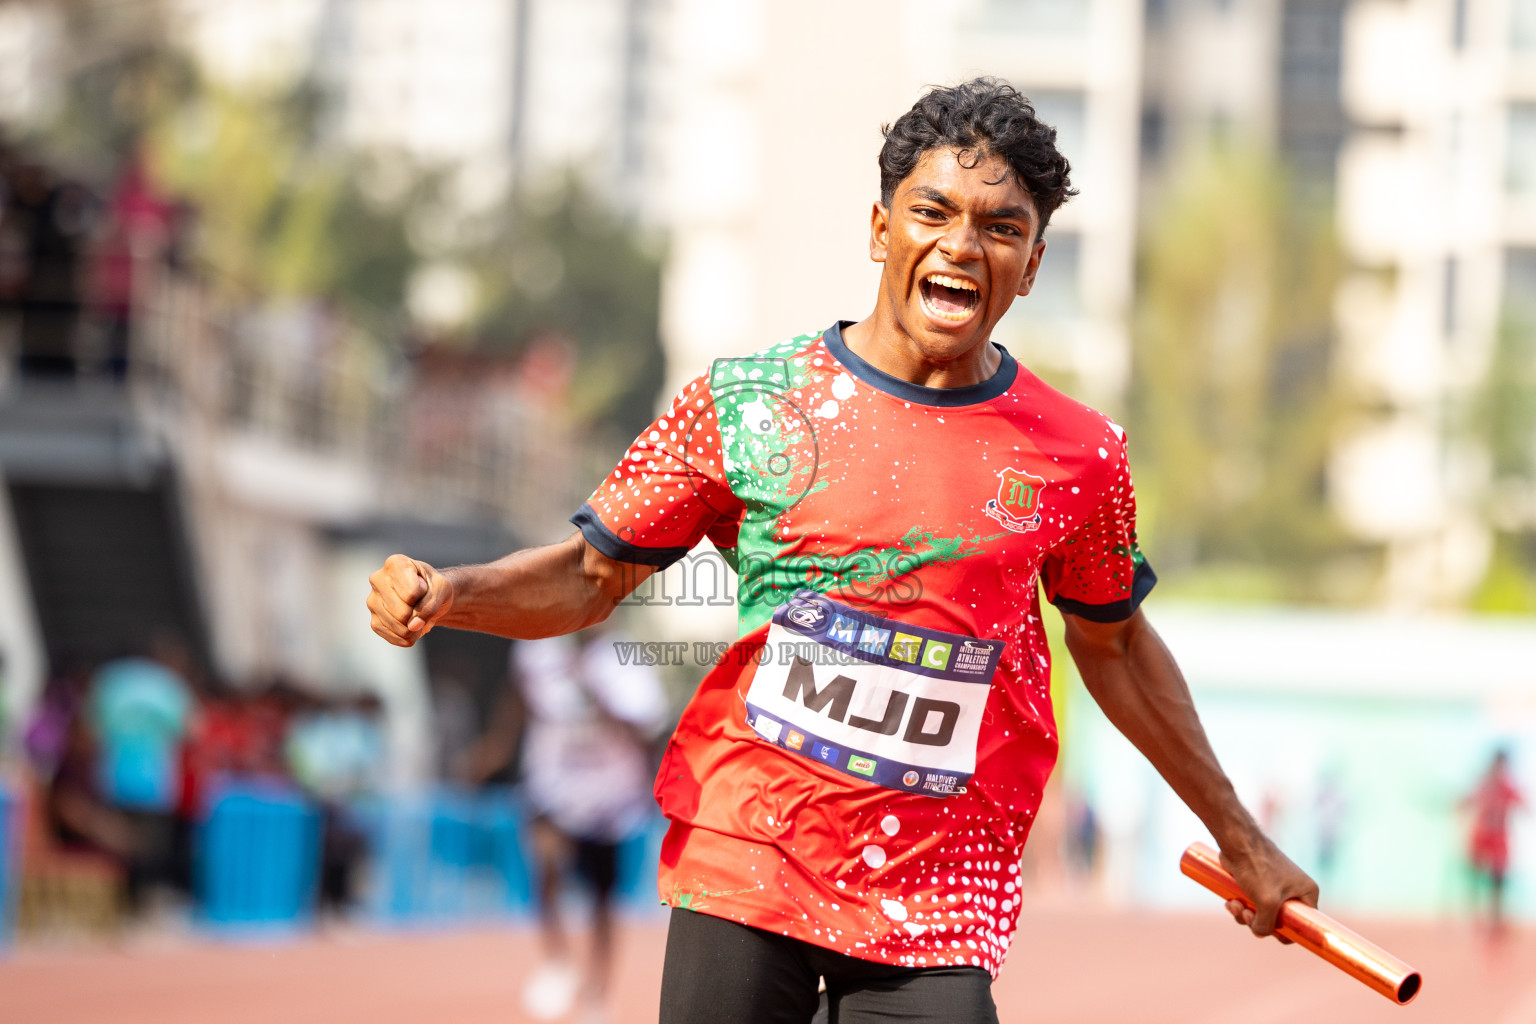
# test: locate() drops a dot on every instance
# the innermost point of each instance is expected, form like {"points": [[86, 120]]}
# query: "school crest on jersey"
{"points": [[1017, 505]]}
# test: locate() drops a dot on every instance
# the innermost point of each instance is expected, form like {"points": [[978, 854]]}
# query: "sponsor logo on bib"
{"points": [[808, 617], [845, 630], [974, 658], [873, 640], [906, 647], [944, 785]]}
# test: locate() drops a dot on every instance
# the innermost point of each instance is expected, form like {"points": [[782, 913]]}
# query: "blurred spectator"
{"points": [[1490, 804], [13, 244], [336, 752], [47, 734], [1082, 835], [140, 223], [45, 225], [219, 742], [1271, 810], [455, 722], [588, 722], [1330, 809], [64, 752], [140, 708], [64, 251], [81, 819], [265, 719]]}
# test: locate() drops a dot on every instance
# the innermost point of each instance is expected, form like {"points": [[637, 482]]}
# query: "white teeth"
{"points": [[951, 282], [948, 282]]}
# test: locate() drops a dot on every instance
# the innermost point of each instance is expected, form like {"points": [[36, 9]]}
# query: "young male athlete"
{"points": [[851, 786]]}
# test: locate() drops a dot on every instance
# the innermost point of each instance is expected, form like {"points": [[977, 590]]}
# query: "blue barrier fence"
{"points": [[257, 858], [440, 858], [443, 857], [448, 856], [10, 864]]}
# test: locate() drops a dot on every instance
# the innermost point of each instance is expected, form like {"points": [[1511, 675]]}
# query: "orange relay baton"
{"points": [[1313, 930]]}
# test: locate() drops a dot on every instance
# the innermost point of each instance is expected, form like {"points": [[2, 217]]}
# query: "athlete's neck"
{"points": [[891, 350]]}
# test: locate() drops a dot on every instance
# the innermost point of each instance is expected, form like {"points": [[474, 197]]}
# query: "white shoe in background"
{"points": [[551, 992]]}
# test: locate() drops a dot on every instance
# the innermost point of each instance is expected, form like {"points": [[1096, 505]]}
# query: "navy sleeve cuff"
{"points": [[1116, 611], [618, 549]]}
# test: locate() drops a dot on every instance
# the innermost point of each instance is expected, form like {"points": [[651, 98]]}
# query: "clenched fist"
{"points": [[407, 599]]}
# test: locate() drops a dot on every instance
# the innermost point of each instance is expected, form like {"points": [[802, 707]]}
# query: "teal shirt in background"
{"points": [[141, 711]]}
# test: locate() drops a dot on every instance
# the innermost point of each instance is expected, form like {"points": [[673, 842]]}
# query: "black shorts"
{"points": [[598, 863], [717, 970]]}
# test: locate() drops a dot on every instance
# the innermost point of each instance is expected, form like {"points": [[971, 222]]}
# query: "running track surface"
{"points": [[1068, 966]]}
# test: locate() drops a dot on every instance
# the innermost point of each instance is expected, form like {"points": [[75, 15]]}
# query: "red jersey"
{"points": [[1492, 802], [861, 769]]}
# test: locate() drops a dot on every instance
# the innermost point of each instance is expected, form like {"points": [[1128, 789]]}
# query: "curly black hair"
{"points": [[981, 118]]}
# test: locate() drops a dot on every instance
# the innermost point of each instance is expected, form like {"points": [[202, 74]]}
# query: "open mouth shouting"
{"points": [[952, 300]]}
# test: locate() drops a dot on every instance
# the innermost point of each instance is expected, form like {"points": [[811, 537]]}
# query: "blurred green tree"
{"points": [[560, 262], [1501, 419], [117, 75], [282, 215], [1233, 401]]}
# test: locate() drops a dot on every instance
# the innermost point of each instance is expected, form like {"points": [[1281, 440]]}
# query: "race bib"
{"points": [[897, 705]]}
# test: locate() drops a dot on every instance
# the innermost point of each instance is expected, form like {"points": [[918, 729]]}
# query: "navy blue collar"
{"points": [[971, 394]]}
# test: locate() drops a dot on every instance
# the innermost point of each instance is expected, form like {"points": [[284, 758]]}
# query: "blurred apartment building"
{"points": [[1437, 206], [1414, 121], [1254, 71]]}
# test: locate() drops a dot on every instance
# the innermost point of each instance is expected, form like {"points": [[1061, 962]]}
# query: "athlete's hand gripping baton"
{"points": [[1313, 930]]}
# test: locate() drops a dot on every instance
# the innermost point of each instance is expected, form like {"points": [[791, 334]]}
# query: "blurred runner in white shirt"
{"points": [[588, 722], [590, 719]]}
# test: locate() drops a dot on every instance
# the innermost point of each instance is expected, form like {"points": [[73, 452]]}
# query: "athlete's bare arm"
{"points": [[1134, 678], [537, 592]]}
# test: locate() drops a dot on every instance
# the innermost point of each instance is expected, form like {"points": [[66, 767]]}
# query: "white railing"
{"points": [[304, 376]]}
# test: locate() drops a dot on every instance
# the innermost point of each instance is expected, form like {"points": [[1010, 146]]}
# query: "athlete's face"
{"points": [[958, 244]]}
